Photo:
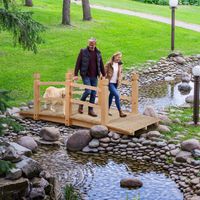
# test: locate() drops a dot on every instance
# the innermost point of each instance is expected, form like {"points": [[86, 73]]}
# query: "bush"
{"points": [[70, 193]]}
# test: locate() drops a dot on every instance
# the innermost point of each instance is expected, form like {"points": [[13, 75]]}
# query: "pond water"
{"points": [[98, 177], [162, 94]]}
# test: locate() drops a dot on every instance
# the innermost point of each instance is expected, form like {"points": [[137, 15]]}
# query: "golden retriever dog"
{"points": [[53, 92]]}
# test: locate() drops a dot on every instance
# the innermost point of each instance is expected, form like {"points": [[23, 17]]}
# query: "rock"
{"points": [[150, 111], [190, 145], [41, 183], [28, 142], [183, 156], [196, 153], [20, 149], [179, 60], [195, 197], [174, 54], [115, 136], [10, 189], [29, 167], [45, 142], [151, 134], [195, 181], [131, 183], [99, 131], [37, 194], [163, 129], [79, 140], [174, 152], [105, 140], [50, 133], [11, 154], [169, 79], [177, 121], [186, 78], [165, 120], [12, 111], [94, 143], [87, 149], [14, 174], [189, 99], [184, 87]]}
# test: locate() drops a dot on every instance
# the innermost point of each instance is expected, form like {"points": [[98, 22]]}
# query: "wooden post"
{"points": [[36, 89], [134, 95], [104, 101], [68, 96], [99, 92]]}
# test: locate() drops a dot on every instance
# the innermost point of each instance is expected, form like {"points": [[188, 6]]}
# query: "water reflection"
{"points": [[163, 94]]}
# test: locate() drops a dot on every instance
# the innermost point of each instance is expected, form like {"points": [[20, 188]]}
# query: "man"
{"points": [[90, 65]]}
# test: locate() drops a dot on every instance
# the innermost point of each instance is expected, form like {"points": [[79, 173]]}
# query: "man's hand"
{"points": [[75, 78]]}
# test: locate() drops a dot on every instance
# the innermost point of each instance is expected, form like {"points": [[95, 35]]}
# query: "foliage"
{"points": [[26, 31], [166, 2], [5, 166], [4, 98], [70, 193]]}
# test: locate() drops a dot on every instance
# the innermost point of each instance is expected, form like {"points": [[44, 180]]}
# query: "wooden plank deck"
{"points": [[128, 125]]}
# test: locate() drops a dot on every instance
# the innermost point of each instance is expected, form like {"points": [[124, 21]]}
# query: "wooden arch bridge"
{"points": [[128, 125]]}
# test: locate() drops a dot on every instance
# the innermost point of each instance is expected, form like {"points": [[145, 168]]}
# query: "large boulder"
{"points": [[163, 129], [10, 189], [79, 140], [99, 131], [11, 154], [14, 174], [50, 133], [150, 111], [131, 183], [183, 156], [184, 88], [29, 167], [28, 142], [20, 149], [190, 145]]}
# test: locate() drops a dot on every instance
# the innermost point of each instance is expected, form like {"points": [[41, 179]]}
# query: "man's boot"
{"points": [[92, 113], [121, 114], [80, 109]]}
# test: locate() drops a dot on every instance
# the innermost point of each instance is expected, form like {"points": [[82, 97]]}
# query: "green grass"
{"points": [[189, 14], [138, 39], [187, 131]]}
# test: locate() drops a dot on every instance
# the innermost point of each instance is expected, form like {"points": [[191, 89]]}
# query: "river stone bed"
{"points": [[143, 150]]}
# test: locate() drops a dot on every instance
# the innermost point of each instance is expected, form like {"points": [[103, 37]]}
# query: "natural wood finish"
{"points": [[104, 101], [36, 89], [68, 95], [76, 101], [52, 83], [128, 125], [80, 86], [134, 93]]}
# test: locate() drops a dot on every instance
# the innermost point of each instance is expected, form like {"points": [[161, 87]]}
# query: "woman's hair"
{"points": [[115, 54]]}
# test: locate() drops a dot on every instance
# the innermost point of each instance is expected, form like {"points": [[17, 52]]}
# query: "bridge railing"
{"points": [[69, 100]]}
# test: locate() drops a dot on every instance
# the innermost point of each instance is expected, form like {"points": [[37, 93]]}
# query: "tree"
{"points": [[66, 12], [86, 10], [29, 3], [26, 31]]}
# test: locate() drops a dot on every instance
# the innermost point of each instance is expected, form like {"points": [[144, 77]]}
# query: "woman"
{"points": [[113, 69]]}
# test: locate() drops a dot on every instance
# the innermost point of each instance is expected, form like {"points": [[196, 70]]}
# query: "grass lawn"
{"points": [[189, 14], [183, 129], [138, 39]]}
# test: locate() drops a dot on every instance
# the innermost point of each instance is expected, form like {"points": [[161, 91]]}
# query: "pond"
{"points": [[98, 177], [162, 94]]}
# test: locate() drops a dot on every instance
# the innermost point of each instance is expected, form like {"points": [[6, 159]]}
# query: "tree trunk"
{"points": [[86, 10], [29, 3], [66, 12]]}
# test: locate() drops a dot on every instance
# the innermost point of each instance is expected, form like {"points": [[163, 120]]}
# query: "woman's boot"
{"points": [[121, 114]]}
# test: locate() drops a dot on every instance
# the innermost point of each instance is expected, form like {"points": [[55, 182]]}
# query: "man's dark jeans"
{"points": [[92, 81]]}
